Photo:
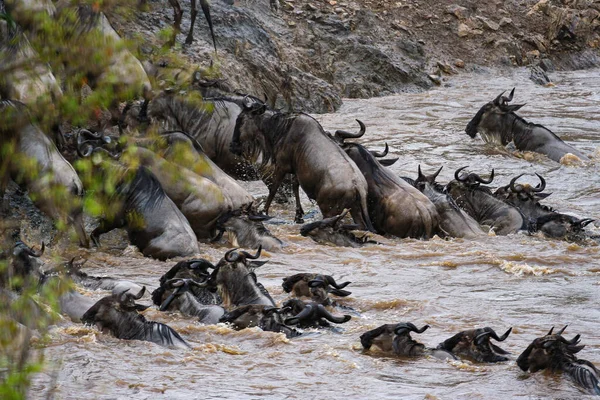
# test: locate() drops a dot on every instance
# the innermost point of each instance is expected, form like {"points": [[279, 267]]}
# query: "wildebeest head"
{"points": [[247, 226], [248, 138], [471, 179], [396, 338], [268, 318], [557, 225], [311, 314], [235, 280], [549, 351], [517, 192], [475, 344], [313, 285], [423, 179], [25, 264], [490, 119], [332, 230]]}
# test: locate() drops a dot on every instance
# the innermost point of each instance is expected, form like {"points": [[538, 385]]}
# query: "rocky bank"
{"points": [[309, 54]]}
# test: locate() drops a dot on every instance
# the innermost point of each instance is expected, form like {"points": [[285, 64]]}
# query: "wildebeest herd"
{"points": [[173, 182]]}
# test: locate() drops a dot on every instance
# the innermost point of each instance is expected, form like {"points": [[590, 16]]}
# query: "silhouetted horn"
{"points": [[512, 184], [562, 330], [585, 221], [497, 100], [575, 340], [539, 188], [501, 338], [456, 174], [140, 294], [336, 285], [481, 180], [39, 253], [330, 317], [434, 176], [420, 176], [347, 135], [510, 96], [250, 256], [409, 326], [380, 153]]}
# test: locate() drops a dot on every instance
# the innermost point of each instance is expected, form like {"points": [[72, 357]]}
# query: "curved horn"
{"points": [[541, 186], [482, 335], [584, 222], [229, 257], [498, 100], [414, 328], [550, 331], [457, 177], [510, 96], [489, 180], [304, 314], [330, 317], [575, 340], [89, 150], [511, 185], [501, 338], [562, 330], [253, 257], [347, 135], [38, 253], [420, 176], [169, 299], [333, 283], [380, 153]]}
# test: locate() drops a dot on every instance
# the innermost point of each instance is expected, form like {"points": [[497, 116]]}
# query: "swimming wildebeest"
{"points": [[333, 231], [297, 144], [118, 314], [138, 202], [396, 339], [22, 266], [395, 207], [454, 222], [247, 229], [479, 202], [497, 122], [540, 217], [557, 354], [34, 162], [311, 314], [315, 286], [234, 279], [267, 318], [475, 344]]}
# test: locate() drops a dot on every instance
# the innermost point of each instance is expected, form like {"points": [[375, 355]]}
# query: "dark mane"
{"points": [[144, 191], [380, 175]]}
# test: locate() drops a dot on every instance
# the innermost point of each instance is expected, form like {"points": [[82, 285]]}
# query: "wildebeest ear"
{"points": [[386, 162], [256, 264], [513, 108]]}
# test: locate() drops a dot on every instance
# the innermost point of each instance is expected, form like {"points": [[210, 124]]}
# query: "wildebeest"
{"points": [[118, 314], [211, 123], [267, 318], [138, 202], [313, 285], [180, 289], [185, 151], [297, 144], [311, 314], [475, 344], [22, 266], [396, 339], [333, 231], [557, 354], [248, 229], [540, 217], [454, 222], [234, 279], [479, 202], [497, 123], [395, 207], [36, 165], [200, 200]]}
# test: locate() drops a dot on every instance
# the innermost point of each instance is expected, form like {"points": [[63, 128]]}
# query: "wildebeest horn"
{"points": [[489, 180], [562, 330], [456, 174], [409, 326], [497, 100], [512, 184], [482, 335], [434, 176], [229, 256], [330, 317], [169, 299], [583, 222], [575, 340], [501, 338], [41, 252], [420, 176], [140, 294], [347, 135], [510, 96], [333, 283], [539, 188], [380, 153], [250, 256], [28, 250], [306, 312]]}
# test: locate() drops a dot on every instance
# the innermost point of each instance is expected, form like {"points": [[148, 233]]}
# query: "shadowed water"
{"points": [[527, 282]]}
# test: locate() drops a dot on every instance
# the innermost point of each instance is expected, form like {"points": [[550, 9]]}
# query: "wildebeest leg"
{"points": [[190, 36], [278, 178], [104, 227], [177, 15], [299, 210], [77, 221]]}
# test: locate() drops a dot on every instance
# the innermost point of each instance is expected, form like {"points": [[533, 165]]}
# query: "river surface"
{"points": [[529, 283]]}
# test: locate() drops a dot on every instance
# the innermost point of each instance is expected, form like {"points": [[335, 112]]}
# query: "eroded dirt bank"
{"points": [[309, 54]]}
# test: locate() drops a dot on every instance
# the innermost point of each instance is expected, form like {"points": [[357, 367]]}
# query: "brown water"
{"points": [[529, 283]]}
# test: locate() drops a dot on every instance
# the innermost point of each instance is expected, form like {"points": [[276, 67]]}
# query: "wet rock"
{"points": [[547, 65], [505, 21], [488, 24], [435, 79], [459, 63], [463, 30], [539, 76]]}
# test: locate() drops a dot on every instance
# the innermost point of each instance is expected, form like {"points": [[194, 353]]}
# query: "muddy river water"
{"points": [[525, 282]]}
